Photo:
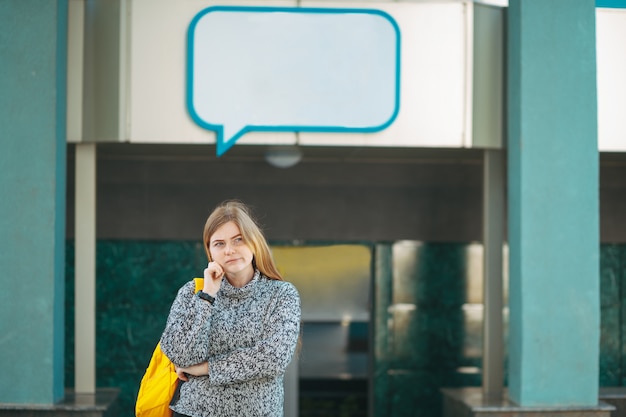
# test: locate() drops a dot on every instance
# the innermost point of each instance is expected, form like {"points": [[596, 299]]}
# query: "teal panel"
{"points": [[33, 37], [60, 198], [617, 4], [553, 203]]}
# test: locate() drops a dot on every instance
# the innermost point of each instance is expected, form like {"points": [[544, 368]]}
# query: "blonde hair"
{"points": [[237, 212]]}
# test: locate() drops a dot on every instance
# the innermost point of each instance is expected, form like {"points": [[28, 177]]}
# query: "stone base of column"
{"points": [[616, 396], [104, 403], [470, 402]]}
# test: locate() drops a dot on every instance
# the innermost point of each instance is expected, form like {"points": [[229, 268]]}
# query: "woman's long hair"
{"points": [[237, 212]]}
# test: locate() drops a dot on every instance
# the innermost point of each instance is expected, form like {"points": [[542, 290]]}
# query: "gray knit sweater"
{"points": [[248, 337]]}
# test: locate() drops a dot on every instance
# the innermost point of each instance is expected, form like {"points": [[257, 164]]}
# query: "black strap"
{"points": [[176, 396]]}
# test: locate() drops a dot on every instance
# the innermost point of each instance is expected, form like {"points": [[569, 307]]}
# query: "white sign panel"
{"points": [[611, 64], [292, 69], [418, 52]]}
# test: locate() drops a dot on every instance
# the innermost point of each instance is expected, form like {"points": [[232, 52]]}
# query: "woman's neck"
{"points": [[241, 278]]}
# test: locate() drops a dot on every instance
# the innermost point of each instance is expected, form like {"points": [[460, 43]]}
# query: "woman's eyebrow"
{"points": [[221, 240]]}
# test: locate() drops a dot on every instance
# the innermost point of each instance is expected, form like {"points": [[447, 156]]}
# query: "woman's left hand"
{"points": [[200, 369]]}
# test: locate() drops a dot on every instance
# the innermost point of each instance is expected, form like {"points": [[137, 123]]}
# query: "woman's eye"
{"points": [[238, 239], [218, 244]]}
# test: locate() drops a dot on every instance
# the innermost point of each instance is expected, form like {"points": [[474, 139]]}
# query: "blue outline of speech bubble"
{"points": [[221, 144]]}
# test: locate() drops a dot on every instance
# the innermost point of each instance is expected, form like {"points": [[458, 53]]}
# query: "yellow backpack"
{"points": [[159, 382]]}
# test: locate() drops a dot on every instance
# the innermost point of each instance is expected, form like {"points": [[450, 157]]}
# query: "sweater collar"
{"points": [[229, 291]]}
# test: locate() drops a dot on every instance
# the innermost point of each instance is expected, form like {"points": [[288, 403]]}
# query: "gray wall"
{"points": [[165, 192], [613, 197]]}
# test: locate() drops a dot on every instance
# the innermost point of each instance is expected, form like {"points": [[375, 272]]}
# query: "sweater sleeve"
{"points": [[185, 338], [270, 356]]}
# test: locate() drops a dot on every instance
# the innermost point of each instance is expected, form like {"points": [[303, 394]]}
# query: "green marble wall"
{"points": [[419, 326], [417, 350], [135, 286], [613, 315]]}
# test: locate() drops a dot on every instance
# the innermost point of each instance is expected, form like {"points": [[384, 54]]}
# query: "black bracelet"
{"points": [[206, 297]]}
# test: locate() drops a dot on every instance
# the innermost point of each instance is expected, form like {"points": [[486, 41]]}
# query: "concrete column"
{"points": [[553, 203], [85, 269], [493, 241], [33, 39]]}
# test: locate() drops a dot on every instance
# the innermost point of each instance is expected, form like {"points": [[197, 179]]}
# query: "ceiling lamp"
{"points": [[283, 156]]}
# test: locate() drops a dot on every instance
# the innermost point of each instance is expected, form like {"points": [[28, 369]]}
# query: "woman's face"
{"points": [[229, 250]]}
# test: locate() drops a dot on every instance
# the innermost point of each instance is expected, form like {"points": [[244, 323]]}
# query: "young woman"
{"points": [[232, 341]]}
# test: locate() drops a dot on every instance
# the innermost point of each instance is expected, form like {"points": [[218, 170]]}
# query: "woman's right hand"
{"points": [[213, 275], [200, 369]]}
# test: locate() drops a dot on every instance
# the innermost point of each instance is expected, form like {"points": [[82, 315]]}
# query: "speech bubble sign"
{"points": [[292, 69]]}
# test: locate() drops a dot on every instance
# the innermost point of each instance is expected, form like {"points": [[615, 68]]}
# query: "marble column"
{"points": [[553, 193], [33, 41]]}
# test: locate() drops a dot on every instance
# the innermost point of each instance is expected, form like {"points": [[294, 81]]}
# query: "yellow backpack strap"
{"points": [[199, 284]]}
